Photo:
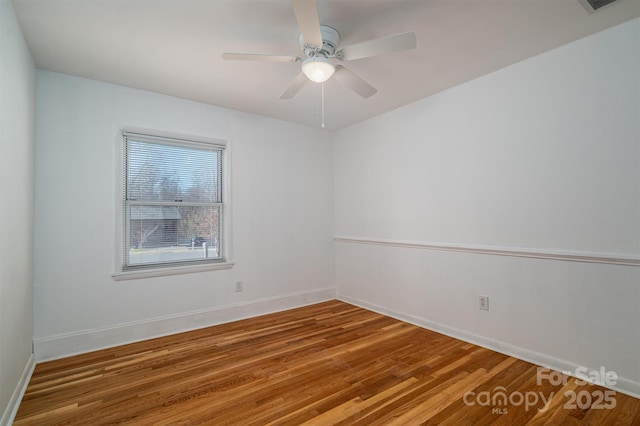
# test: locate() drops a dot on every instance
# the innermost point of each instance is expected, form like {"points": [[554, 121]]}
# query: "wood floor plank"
{"points": [[326, 364]]}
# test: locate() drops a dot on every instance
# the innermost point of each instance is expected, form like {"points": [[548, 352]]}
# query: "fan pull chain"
{"points": [[322, 105], [315, 94]]}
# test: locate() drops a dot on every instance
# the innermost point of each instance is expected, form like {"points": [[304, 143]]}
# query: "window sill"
{"points": [[176, 270]]}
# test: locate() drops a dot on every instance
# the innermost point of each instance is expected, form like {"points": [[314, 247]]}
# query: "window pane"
{"points": [[172, 201], [161, 172], [167, 234]]}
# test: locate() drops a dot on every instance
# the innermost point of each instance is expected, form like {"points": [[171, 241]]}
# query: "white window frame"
{"points": [[147, 271]]}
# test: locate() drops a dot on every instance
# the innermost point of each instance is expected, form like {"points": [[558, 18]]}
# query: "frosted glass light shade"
{"points": [[318, 69]]}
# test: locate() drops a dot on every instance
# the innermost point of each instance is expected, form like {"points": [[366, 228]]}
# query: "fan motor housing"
{"points": [[330, 39]]}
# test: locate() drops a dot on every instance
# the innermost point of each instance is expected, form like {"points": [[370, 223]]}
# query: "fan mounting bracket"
{"points": [[330, 39]]}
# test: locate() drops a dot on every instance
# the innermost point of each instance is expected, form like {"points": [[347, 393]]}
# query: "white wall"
{"points": [[17, 116], [282, 218], [542, 156]]}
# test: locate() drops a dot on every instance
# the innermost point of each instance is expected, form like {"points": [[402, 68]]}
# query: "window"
{"points": [[172, 201]]}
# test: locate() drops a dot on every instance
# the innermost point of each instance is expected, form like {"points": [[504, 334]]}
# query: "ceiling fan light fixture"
{"points": [[318, 69]]}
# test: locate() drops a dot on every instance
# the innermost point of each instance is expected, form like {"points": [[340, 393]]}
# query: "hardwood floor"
{"points": [[326, 364]]}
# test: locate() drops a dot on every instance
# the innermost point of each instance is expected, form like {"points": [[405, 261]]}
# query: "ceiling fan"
{"points": [[322, 54]]}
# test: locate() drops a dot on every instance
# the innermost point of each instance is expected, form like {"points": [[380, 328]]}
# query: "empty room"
{"points": [[252, 212]]}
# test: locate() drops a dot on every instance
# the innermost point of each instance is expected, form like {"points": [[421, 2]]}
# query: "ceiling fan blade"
{"points": [[294, 87], [259, 57], [307, 16], [353, 82], [379, 46]]}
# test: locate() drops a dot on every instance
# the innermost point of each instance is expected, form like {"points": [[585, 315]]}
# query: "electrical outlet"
{"points": [[239, 286], [484, 303]]}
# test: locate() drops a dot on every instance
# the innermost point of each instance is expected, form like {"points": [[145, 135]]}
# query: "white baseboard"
{"points": [[64, 345], [623, 385], [14, 403]]}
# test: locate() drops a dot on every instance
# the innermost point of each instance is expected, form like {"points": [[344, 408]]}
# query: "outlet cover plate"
{"points": [[484, 303]]}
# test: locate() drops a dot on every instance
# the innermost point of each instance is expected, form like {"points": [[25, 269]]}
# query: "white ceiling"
{"points": [[174, 46]]}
